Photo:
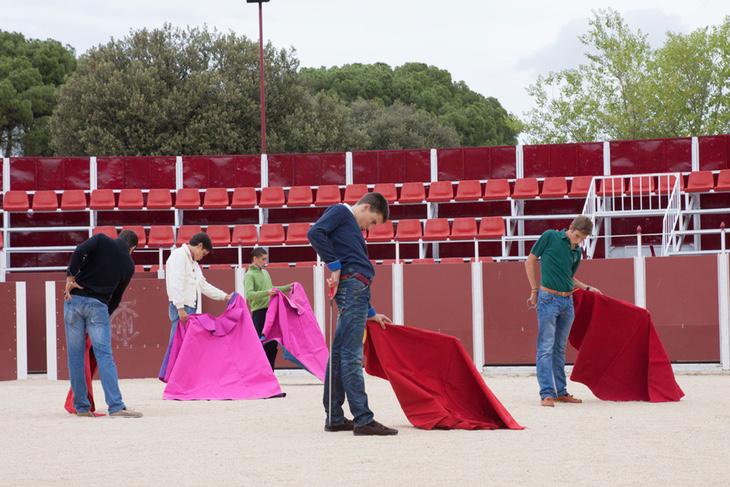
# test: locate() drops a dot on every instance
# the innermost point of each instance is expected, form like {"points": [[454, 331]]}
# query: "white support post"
{"points": [[640, 281], [477, 314], [264, 171], [93, 184], [179, 170], [239, 275], [606, 158], [319, 298], [160, 268], [199, 308], [434, 165], [520, 208], [519, 162], [397, 271], [349, 175], [723, 287], [21, 331], [51, 345], [695, 154], [6, 220]]}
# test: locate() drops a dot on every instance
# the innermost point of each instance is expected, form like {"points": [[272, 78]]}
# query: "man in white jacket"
{"points": [[184, 278]]}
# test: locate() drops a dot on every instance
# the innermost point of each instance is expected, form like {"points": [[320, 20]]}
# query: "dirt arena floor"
{"points": [[281, 442]]}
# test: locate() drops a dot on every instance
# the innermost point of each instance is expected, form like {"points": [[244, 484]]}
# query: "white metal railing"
{"points": [[671, 220]]}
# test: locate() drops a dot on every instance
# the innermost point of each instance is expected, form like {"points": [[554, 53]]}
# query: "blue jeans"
{"points": [[83, 315], [175, 318], [554, 319], [353, 301]]}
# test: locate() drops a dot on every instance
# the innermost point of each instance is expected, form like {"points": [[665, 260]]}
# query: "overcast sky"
{"points": [[497, 47]]}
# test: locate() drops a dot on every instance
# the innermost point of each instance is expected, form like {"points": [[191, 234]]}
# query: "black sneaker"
{"points": [[374, 428], [347, 425]]}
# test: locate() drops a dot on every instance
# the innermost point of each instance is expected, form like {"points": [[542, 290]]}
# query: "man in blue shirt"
{"points": [[337, 238]]}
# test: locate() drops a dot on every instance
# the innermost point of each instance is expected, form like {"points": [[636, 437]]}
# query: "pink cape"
{"points": [[219, 358], [291, 322], [620, 355]]}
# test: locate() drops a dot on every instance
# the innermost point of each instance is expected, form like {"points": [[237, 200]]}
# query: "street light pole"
{"points": [[262, 86]]}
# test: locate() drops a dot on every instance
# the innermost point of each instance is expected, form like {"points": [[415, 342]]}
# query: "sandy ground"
{"points": [[281, 442]]}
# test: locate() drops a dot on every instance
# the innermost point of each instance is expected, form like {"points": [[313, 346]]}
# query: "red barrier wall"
{"points": [[653, 155], [466, 163], [30, 173], [306, 169], [550, 160], [142, 172], [221, 171], [681, 294], [391, 166], [714, 152], [8, 333]]}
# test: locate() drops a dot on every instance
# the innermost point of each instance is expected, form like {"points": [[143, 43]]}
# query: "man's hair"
{"points": [[129, 237], [258, 252], [583, 224], [202, 238], [377, 203]]}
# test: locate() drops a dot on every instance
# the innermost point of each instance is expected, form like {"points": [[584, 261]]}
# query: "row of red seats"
{"points": [[439, 229], [302, 196]]}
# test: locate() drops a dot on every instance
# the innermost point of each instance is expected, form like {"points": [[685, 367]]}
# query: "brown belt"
{"points": [[557, 293], [357, 276]]}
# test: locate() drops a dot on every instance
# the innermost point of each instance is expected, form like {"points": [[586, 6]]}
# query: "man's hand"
{"points": [[595, 290], [228, 296], [182, 314], [381, 319], [272, 292], [70, 285], [532, 300], [333, 282]]}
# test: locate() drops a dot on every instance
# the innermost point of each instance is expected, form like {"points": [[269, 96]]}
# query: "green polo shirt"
{"points": [[256, 286], [559, 260]]}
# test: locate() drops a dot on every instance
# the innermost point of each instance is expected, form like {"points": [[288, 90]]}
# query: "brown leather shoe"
{"points": [[548, 402], [569, 399], [85, 414], [347, 425], [373, 428]]}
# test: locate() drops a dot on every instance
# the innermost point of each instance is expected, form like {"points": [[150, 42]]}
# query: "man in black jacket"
{"points": [[98, 273]]}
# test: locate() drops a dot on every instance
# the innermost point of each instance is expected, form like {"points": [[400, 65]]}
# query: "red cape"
{"points": [[90, 370], [434, 379], [620, 356]]}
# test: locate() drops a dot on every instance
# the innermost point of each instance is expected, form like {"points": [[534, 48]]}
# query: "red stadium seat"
{"points": [[580, 186], [220, 235], [187, 199], [73, 199], [186, 232], [271, 234], [440, 192], [299, 196], [723, 180], [353, 193], [611, 187], [491, 227], [296, 234], [244, 235], [161, 236], [412, 193], [102, 199], [110, 232], [45, 200], [641, 186], [244, 198], [700, 182], [139, 268], [554, 188], [464, 229], [525, 188], [328, 195], [131, 199], [16, 201], [159, 199], [469, 191], [666, 183], [141, 236], [272, 197], [215, 198], [409, 231], [496, 189], [388, 190], [486, 259], [436, 229], [381, 233]]}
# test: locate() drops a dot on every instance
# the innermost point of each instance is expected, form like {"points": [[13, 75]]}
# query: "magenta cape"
{"points": [[291, 322], [219, 358]]}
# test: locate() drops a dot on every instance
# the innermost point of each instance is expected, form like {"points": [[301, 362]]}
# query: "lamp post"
{"points": [[261, 72]]}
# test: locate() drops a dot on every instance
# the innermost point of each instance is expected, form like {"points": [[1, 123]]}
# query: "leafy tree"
{"points": [[627, 90], [30, 73]]}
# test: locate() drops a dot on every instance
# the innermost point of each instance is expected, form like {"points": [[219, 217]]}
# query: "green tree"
{"points": [[30, 73], [174, 91], [627, 90], [477, 120]]}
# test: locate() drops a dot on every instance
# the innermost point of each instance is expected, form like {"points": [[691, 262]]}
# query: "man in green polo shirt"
{"points": [[559, 253], [258, 290]]}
